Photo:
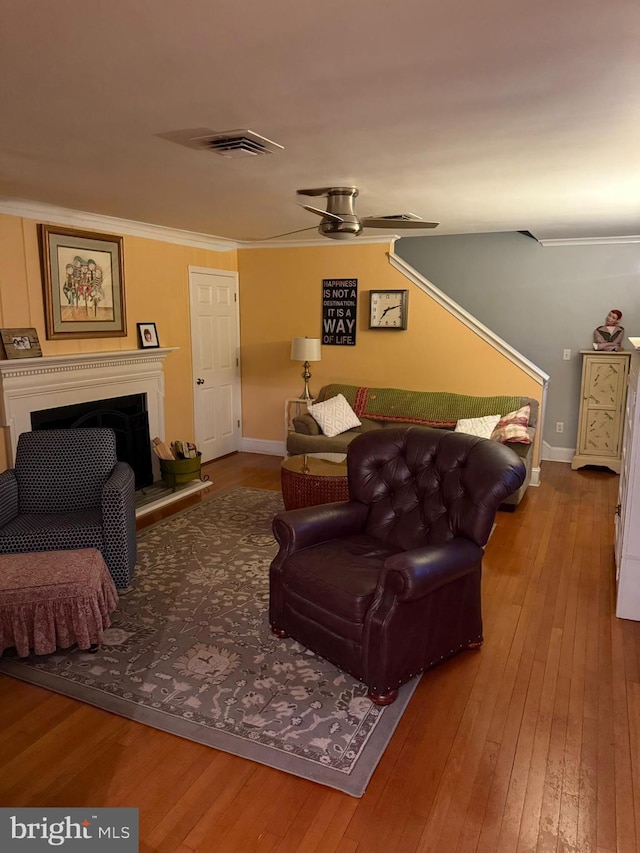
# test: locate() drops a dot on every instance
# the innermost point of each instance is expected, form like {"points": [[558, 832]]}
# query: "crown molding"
{"points": [[111, 224], [589, 241], [315, 242]]}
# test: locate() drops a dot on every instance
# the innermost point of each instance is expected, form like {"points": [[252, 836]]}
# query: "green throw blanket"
{"points": [[434, 408]]}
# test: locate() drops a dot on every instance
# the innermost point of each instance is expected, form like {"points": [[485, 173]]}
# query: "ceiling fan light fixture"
{"points": [[340, 222], [338, 235], [340, 230]]}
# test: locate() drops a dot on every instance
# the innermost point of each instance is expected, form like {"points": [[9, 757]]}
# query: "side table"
{"points": [[314, 478]]}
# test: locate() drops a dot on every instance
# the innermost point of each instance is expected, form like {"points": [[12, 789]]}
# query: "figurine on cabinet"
{"points": [[609, 336]]}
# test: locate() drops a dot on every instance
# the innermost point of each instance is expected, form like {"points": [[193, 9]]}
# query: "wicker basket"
{"points": [[312, 479]]}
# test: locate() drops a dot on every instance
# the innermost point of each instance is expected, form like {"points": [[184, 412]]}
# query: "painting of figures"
{"points": [[83, 280]]}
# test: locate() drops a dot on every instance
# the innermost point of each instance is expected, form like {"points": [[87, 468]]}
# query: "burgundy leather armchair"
{"points": [[387, 584]]}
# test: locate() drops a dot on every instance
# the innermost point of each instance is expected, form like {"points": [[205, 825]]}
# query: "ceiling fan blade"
{"points": [[286, 234], [324, 213], [392, 222]]}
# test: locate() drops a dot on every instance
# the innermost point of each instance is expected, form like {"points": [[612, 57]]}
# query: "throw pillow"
{"points": [[513, 427], [482, 427], [334, 415]]}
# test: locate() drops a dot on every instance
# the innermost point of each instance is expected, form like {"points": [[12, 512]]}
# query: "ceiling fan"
{"points": [[340, 222]]}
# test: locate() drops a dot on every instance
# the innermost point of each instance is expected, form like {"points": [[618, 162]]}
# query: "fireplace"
{"points": [[62, 382], [126, 416]]}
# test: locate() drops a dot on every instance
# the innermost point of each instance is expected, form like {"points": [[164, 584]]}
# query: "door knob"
{"points": [[200, 381]]}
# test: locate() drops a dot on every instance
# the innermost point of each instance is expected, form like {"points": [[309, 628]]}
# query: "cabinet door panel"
{"points": [[605, 383], [601, 433]]}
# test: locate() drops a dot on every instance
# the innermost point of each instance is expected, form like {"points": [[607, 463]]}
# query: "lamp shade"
{"points": [[305, 349]]}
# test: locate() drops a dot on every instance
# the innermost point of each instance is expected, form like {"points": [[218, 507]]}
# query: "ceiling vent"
{"points": [[241, 143], [229, 143]]}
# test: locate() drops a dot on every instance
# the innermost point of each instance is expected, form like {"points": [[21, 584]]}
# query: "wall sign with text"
{"points": [[339, 311]]}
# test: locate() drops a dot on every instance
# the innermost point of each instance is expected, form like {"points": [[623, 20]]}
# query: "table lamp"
{"points": [[306, 350]]}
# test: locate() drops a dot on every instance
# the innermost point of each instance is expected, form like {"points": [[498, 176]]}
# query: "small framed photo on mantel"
{"points": [[148, 335], [20, 343]]}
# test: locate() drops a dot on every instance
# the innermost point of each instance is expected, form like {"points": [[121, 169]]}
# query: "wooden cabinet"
{"points": [[627, 529], [602, 400]]}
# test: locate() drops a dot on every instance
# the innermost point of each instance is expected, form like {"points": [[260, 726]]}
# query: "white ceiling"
{"points": [[496, 116]]}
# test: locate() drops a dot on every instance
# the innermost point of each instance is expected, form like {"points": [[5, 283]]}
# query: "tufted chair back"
{"points": [[388, 583], [427, 486]]}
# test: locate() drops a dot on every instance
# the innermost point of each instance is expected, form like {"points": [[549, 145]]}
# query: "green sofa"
{"points": [[378, 408]]}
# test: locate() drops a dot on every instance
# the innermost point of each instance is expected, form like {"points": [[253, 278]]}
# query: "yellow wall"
{"points": [[281, 298], [156, 290]]}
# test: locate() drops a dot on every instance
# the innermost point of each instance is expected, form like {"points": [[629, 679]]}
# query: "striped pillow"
{"points": [[513, 427]]}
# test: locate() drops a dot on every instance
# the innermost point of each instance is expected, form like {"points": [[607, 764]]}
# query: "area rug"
{"points": [[190, 652]]}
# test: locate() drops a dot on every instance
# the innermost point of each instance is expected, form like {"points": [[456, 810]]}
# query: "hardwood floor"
{"points": [[530, 744]]}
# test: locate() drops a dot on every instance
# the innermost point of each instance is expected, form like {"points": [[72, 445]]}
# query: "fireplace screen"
{"points": [[126, 416]]}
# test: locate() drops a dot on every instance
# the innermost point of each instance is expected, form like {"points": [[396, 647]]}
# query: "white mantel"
{"points": [[32, 384]]}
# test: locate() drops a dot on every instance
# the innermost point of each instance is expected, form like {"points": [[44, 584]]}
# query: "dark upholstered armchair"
{"points": [[69, 491], [387, 584]]}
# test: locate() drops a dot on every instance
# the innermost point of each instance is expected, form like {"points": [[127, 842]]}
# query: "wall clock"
{"points": [[388, 309]]}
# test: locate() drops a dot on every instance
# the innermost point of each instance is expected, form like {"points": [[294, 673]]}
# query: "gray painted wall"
{"points": [[539, 299]]}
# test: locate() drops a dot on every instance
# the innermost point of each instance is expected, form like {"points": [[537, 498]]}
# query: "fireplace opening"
{"points": [[126, 416]]}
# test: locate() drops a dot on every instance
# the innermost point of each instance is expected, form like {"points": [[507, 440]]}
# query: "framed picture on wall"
{"points": [[83, 282], [20, 343], [148, 335]]}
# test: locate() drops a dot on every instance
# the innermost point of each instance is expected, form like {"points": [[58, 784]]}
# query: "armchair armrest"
{"points": [[121, 480], [119, 518], [414, 574], [8, 496], [301, 528]]}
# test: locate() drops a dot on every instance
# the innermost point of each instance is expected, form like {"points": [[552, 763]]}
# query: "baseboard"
{"points": [[259, 445], [557, 454], [535, 477]]}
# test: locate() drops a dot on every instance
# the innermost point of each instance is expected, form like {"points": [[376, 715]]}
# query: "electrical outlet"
{"points": [[566, 355], [560, 426]]}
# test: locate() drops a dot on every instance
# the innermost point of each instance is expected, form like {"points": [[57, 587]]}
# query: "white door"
{"points": [[216, 361]]}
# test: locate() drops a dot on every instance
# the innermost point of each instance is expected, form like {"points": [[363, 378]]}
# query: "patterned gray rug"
{"points": [[190, 652]]}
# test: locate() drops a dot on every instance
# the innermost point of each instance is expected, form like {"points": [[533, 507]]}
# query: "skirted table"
{"points": [[314, 478], [54, 599]]}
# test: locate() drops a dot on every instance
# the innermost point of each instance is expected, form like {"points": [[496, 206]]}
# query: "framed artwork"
{"points": [[148, 335], [83, 281], [20, 343], [339, 311]]}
